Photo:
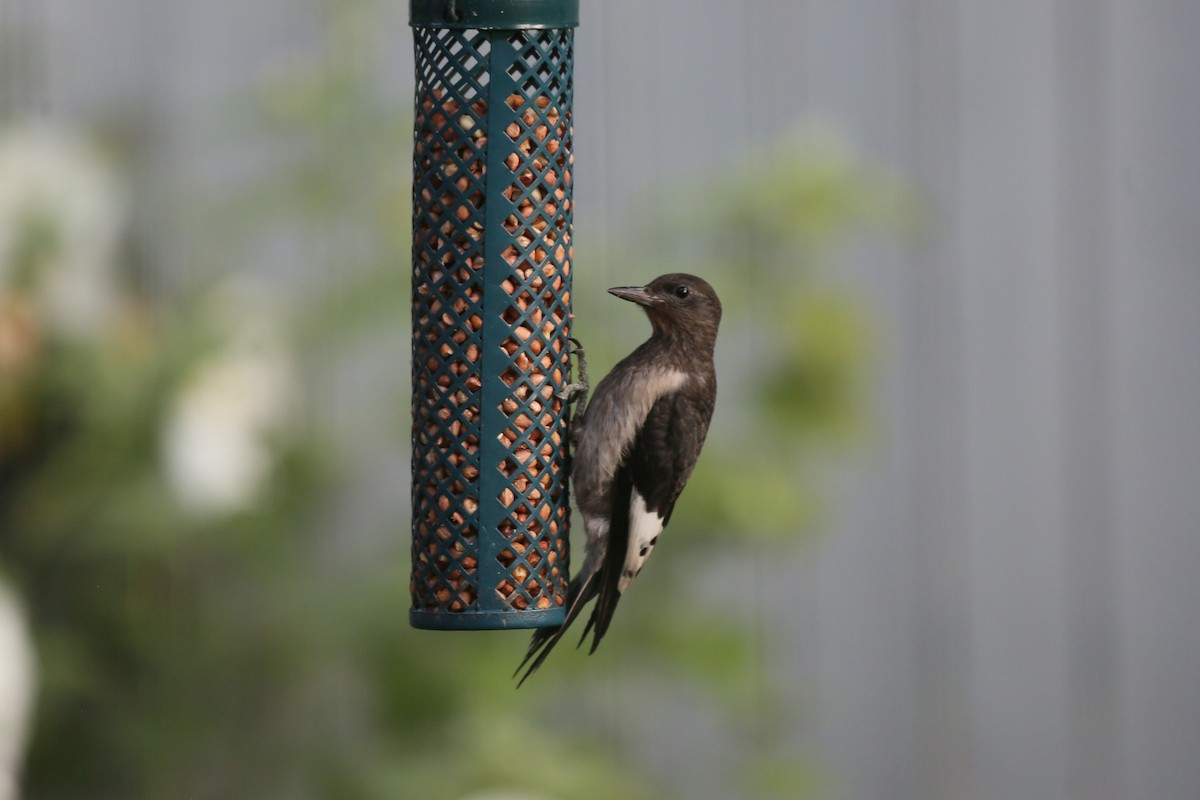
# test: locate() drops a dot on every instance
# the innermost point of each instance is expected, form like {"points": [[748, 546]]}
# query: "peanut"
{"points": [[534, 196]]}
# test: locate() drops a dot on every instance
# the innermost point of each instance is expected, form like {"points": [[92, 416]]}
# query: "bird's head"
{"points": [[678, 305]]}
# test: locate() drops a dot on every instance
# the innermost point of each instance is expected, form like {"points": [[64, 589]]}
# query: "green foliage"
{"points": [[219, 652], [143, 611]]}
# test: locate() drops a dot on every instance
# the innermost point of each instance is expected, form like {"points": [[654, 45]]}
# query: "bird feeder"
{"points": [[491, 311]]}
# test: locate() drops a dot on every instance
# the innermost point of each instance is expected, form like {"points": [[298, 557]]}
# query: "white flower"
{"points": [[17, 681], [217, 448], [62, 210]]}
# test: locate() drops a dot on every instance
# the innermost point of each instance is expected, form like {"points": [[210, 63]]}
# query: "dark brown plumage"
{"points": [[637, 443]]}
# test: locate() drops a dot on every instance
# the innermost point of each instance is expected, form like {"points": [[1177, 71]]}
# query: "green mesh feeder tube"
{"points": [[491, 312]]}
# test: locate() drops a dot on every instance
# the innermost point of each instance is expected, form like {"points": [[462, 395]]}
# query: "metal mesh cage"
{"points": [[491, 315]]}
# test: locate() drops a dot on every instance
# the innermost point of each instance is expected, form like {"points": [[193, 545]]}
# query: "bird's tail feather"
{"points": [[602, 583], [544, 639], [607, 590]]}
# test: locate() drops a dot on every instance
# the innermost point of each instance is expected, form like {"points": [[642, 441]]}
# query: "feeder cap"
{"points": [[493, 14]]}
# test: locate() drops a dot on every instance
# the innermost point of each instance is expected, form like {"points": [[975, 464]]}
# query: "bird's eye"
{"points": [[682, 292]]}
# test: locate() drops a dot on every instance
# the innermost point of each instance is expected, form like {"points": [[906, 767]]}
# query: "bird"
{"points": [[636, 443]]}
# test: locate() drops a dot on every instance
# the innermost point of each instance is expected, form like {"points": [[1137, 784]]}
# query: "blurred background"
{"points": [[945, 539]]}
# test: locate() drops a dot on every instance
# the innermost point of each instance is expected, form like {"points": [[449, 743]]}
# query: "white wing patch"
{"points": [[644, 528]]}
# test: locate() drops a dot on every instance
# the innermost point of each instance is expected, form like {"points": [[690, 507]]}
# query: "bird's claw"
{"points": [[571, 391], [575, 392], [577, 389]]}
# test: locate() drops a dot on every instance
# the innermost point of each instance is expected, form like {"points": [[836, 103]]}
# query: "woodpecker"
{"points": [[636, 443]]}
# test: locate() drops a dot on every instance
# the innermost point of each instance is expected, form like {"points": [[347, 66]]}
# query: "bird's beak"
{"points": [[634, 294]]}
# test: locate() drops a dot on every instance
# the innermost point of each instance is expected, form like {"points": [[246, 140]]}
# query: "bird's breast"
{"points": [[615, 414]]}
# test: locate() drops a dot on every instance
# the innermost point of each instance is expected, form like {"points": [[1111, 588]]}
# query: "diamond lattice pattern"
{"points": [[449, 165], [538, 195], [527, 286]]}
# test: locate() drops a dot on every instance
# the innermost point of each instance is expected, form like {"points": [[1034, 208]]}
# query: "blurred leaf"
{"points": [[786, 777], [759, 499], [814, 381]]}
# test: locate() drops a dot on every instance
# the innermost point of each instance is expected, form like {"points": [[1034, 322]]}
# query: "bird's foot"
{"points": [[572, 391], [577, 390]]}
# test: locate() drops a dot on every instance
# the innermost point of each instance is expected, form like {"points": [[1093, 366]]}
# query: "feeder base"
{"points": [[486, 620]]}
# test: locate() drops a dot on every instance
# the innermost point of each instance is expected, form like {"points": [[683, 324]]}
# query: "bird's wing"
{"points": [[660, 463], [649, 480]]}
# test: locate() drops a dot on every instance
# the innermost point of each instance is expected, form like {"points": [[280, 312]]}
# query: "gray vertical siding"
{"points": [[1154, 164], [1008, 605]]}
